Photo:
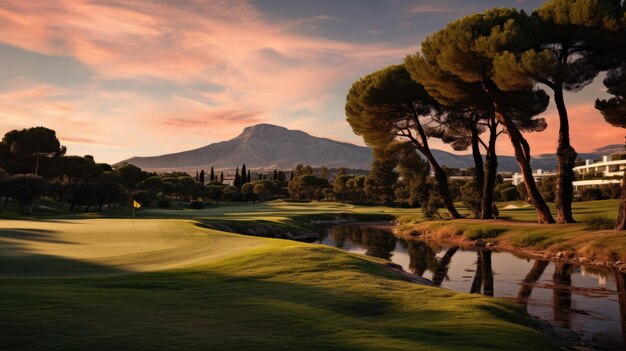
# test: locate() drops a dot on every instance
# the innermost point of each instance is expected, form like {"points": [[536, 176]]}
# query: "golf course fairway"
{"points": [[109, 284]]}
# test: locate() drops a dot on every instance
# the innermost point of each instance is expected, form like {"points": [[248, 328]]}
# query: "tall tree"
{"points": [[222, 177], [388, 105], [324, 172], [463, 129], [76, 170], [237, 183], [249, 178], [614, 112], [244, 175], [212, 175], [455, 64], [382, 177], [31, 146], [563, 47], [201, 176]]}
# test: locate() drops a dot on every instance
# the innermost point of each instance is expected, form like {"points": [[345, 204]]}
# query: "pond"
{"points": [[588, 301]]}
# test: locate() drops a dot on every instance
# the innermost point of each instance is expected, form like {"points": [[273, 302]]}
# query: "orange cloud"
{"points": [[588, 130], [265, 69]]}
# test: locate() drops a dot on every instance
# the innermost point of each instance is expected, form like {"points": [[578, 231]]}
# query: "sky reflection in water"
{"points": [[588, 301]]}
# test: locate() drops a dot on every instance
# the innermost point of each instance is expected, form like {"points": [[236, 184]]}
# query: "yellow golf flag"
{"points": [[136, 204]]}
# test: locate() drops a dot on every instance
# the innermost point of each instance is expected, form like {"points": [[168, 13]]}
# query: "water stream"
{"points": [[589, 301]]}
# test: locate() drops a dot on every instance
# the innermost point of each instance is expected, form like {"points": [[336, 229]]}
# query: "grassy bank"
{"points": [[100, 283], [517, 231]]}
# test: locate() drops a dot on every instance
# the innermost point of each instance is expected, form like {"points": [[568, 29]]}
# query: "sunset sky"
{"points": [[117, 79]]}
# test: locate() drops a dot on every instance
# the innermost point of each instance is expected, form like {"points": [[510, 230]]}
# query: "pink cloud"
{"points": [[266, 69], [431, 8], [588, 130]]}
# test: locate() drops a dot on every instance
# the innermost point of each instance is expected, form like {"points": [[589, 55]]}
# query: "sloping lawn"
{"points": [[102, 284]]}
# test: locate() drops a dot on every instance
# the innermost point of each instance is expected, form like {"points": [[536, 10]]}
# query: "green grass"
{"points": [[483, 233], [517, 229], [598, 222], [581, 210], [102, 284], [169, 281]]}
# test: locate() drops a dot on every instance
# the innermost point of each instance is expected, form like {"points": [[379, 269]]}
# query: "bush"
{"points": [[591, 194], [495, 211], [510, 194], [599, 223], [165, 202], [546, 188], [196, 204], [483, 233], [471, 198], [611, 191]]}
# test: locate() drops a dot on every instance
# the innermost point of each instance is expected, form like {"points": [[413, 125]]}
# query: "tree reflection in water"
{"points": [[620, 280], [527, 285], [423, 257], [381, 243], [562, 293], [483, 279], [378, 242]]}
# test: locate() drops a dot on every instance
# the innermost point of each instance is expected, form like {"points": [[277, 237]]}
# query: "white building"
{"points": [[518, 178], [608, 170]]}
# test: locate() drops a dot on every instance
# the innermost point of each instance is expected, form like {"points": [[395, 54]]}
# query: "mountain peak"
{"points": [[264, 145], [263, 130]]}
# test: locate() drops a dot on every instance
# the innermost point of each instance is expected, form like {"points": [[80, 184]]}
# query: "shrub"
{"points": [[471, 198], [510, 194], [196, 204], [591, 194], [523, 193], [611, 191], [546, 188], [599, 223], [483, 233], [165, 202]]}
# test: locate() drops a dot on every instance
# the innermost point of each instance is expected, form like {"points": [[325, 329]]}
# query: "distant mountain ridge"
{"points": [[264, 146], [271, 146]]}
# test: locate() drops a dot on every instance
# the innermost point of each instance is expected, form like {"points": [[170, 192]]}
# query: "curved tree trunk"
{"points": [[491, 166], [444, 188], [522, 155], [566, 156], [440, 174], [621, 214], [479, 167]]}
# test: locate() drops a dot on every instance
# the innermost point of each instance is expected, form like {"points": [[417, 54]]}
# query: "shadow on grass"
{"points": [[180, 309], [17, 261], [296, 305]]}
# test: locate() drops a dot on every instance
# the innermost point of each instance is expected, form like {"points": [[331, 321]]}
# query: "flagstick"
{"points": [[133, 215]]}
